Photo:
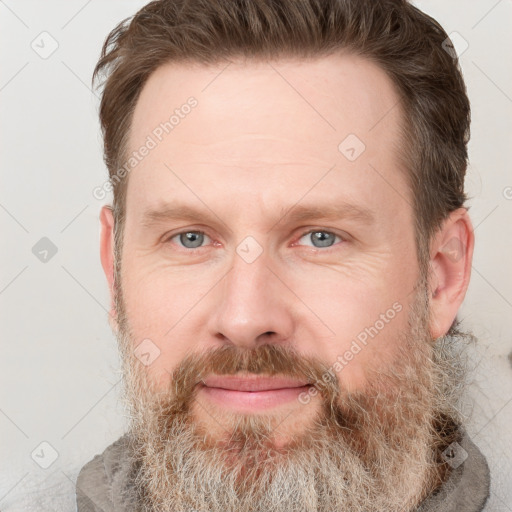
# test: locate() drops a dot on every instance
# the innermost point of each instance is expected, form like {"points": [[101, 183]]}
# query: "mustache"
{"points": [[267, 359]]}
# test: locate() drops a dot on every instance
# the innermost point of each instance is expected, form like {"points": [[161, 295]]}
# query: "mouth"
{"points": [[251, 393]]}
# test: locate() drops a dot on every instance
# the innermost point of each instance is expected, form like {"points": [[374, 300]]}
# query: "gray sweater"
{"points": [[103, 484]]}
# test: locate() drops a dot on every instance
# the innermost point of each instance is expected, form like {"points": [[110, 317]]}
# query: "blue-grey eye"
{"points": [[321, 238], [191, 239]]}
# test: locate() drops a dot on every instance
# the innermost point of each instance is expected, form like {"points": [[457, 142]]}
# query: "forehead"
{"points": [[263, 127]]}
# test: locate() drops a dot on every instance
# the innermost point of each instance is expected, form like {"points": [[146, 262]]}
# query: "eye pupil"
{"points": [[191, 239], [324, 238]]}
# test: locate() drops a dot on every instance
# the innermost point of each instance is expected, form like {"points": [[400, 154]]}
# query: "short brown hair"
{"points": [[410, 46]]}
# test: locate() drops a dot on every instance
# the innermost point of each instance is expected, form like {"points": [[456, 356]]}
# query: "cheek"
{"points": [[157, 294], [159, 304], [360, 322]]}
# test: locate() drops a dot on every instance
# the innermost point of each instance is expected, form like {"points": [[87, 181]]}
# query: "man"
{"points": [[287, 251]]}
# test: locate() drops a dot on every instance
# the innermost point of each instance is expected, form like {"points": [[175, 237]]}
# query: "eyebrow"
{"points": [[338, 211], [297, 213]]}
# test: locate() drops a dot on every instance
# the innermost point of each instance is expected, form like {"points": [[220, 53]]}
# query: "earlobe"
{"points": [[107, 257], [450, 263]]}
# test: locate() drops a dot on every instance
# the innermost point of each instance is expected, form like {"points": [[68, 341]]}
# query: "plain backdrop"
{"points": [[59, 365]]}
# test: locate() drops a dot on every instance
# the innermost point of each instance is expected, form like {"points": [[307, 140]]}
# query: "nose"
{"points": [[252, 305]]}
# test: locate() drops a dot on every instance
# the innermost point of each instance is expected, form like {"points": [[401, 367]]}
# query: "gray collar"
{"points": [[468, 486]]}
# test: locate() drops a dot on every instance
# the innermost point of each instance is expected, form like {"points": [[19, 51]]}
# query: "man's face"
{"points": [[269, 235], [260, 146]]}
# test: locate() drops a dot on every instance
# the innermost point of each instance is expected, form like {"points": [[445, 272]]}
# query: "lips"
{"points": [[250, 394], [252, 383]]}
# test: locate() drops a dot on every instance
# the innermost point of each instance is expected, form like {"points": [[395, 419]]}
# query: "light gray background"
{"points": [[59, 364]]}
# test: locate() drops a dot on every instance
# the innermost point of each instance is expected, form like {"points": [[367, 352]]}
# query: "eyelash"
{"points": [[314, 230]]}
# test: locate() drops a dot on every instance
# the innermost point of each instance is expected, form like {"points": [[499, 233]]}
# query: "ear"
{"points": [[451, 255], [107, 257]]}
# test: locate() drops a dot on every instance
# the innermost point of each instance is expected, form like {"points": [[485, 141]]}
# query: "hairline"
{"points": [[402, 153]]}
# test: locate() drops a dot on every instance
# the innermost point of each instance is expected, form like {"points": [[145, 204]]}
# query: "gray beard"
{"points": [[377, 450]]}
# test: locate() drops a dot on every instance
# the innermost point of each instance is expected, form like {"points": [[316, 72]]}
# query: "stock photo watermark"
{"points": [[507, 193], [356, 346], [152, 140]]}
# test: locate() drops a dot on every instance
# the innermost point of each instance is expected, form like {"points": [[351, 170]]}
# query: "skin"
{"points": [[263, 139]]}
